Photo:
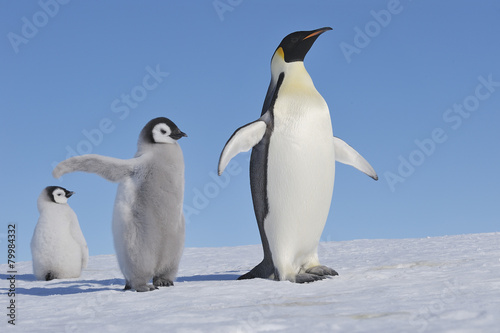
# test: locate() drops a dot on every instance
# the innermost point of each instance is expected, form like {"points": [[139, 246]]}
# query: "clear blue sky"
{"points": [[414, 86]]}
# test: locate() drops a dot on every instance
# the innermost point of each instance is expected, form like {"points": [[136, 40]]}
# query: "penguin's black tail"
{"points": [[247, 276], [264, 270]]}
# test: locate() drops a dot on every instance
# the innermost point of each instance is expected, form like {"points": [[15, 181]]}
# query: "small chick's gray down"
{"points": [[148, 221], [58, 247]]}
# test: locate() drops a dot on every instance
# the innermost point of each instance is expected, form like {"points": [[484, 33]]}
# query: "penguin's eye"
{"points": [[294, 40], [163, 131]]}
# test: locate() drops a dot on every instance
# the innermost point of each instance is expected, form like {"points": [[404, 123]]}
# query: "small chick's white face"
{"points": [[161, 133], [59, 196]]}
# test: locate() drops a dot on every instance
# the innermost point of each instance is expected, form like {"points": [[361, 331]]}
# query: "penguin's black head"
{"points": [[296, 45], [161, 130], [58, 194]]}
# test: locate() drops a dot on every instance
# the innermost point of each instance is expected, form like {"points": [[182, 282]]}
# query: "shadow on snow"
{"points": [[213, 277], [74, 286]]}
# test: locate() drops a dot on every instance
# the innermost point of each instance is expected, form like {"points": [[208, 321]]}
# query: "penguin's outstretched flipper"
{"points": [[243, 139], [347, 155], [110, 168]]}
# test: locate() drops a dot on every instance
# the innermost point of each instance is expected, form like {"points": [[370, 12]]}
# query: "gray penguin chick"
{"points": [[148, 222]]}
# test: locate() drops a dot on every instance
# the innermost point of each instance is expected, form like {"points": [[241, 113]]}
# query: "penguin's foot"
{"points": [[127, 286], [49, 276], [147, 287], [307, 277], [162, 282], [322, 271]]}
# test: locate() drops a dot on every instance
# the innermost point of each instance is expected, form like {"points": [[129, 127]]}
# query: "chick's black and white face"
{"points": [[160, 130], [61, 196], [163, 133]]}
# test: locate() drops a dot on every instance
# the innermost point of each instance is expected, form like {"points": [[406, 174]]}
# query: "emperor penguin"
{"points": [[292, 166], [148, 222], [58, 247]]}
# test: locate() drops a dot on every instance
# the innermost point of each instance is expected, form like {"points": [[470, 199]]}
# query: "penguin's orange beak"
{"points": [[317, 32]]}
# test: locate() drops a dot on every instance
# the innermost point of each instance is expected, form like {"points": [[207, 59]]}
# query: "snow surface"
{"points": [[440, 284]]}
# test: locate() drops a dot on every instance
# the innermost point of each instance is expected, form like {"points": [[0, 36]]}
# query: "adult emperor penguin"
{"points": [[58, 247], [292, 166], [148, 222]]}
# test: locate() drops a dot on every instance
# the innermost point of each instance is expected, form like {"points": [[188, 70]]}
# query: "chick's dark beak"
{"points": [[178, 135]]}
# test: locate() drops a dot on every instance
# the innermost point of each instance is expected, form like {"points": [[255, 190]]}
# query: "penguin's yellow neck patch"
{"points": [[280, 52]]}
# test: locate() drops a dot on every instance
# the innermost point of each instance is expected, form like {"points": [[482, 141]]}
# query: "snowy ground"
{"points": [[441, 284]]}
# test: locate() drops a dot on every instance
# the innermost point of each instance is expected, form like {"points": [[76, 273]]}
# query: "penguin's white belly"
{"points": [[300, 178], [54, 250]]}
